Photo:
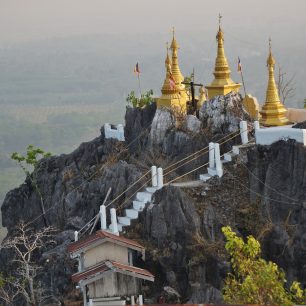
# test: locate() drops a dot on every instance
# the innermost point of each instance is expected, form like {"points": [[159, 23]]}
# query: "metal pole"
{"points": [[138, 74], [242, 79]]}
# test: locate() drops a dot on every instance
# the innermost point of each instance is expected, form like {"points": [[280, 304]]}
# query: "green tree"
{"points": [[144, 100], [255, 280], [28, 163]]}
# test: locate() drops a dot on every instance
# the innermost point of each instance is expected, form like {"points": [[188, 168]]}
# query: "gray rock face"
{"points": [[171, 217], [193, 124], [138, 125], [223, 113], [162, 122], [171, 225], [281, 172]]}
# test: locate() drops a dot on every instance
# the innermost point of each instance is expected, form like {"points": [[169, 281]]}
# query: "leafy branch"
{"points": [[144, 100], [29, 163], [255, 280]]}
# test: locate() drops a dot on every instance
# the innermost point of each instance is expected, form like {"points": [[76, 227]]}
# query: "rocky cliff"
{"points": [[262, 193]]}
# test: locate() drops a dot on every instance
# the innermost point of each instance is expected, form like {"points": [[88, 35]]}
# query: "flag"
{"points": [[172, 82], [239, 65], [136, 69]]}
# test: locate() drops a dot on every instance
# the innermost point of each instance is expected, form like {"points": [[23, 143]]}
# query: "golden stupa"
{"points": [[222, 84], [273, 111], [173, 95]]}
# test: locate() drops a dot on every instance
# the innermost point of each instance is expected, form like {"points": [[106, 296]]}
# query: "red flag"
{"points": [[136, 69], [172, 82]]}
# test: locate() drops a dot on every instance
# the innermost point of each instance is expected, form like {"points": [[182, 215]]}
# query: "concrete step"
{"points": [[229, 156], [205, 177], [212, 172], [144, 196], [139, 205], [236, 150], [125, 221], [131, 213], [151, 189], [119, 227]]}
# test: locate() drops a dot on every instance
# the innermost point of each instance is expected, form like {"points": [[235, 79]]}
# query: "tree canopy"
{"points": [[253, 279]]}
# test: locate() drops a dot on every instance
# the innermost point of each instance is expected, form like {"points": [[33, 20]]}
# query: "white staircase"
{"points": [[140, 201], [132, 213], [216, 162]]}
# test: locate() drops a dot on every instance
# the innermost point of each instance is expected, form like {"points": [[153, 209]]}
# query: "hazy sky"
{"points": [[24, 20]]}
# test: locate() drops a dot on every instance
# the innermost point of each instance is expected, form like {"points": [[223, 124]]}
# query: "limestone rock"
{"points": [[137, 125], [193, 124], [162, 122], [223, 113]]}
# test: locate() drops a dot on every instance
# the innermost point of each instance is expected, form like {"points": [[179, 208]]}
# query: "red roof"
{"points": [[103, 235], [110, 265]]}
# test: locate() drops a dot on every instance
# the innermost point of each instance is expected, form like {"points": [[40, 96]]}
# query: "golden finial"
{"points": [[220, 17], [220, 36], [168, 61], [270, 40], [174, 44], [173, 32], [270, 60]]}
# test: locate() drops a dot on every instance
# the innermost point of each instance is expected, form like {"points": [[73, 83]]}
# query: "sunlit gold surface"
{"points": [[273, 111], [222, 84], [173, 97]]}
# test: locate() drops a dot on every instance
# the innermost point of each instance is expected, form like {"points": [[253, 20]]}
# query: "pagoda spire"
{"points": [[273, 111], [222, 84], [222, 70], [176, 72], [171, 93], [167, 87]]}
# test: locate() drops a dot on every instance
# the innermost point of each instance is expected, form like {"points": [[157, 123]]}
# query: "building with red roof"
{"points": [[106, 273]]}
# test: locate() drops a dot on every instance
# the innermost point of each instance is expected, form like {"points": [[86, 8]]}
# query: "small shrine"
{"points": [[106, 272]]}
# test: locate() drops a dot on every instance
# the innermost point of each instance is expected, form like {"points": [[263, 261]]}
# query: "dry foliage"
{"points": [[26, 243]]}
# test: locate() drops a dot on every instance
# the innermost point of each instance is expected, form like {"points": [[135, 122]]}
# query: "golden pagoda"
{"points": [[173, 91], [222, 84], [171, 96], [273, 111]]}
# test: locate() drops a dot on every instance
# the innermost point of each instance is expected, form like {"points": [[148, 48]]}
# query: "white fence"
{"points": [[267, 136]]}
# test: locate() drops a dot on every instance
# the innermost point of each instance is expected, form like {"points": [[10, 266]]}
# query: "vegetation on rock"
{"points": [[255, 280], [144, 100], [29, 162]]}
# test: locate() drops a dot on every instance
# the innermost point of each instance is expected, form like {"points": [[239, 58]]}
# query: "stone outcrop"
{"points": [[162, 122], [223, 113], [281, 188], [263, 193]]}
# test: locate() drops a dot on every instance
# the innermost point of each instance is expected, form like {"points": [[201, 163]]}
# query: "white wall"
{"points": [[296, 115], [117, 133], [267, 136]]}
